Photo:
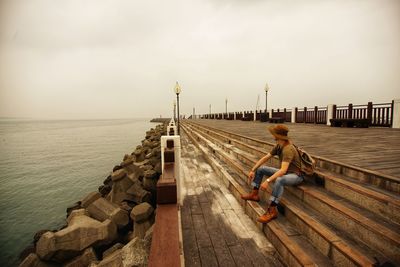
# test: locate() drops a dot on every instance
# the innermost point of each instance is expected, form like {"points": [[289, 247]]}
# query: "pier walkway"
{"points": [[216, 231], [376, 149], [346, 214]]}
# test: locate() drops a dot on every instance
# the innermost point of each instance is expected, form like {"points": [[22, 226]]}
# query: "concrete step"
{"points": [[383, 202], [377, 179], [290, 250], [322, 239]]}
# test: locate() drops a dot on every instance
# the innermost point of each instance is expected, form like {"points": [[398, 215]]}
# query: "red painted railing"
{"points": [[380, 115]]}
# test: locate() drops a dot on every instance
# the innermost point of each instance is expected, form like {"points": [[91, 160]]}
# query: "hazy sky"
{"points": [[121, 58]]}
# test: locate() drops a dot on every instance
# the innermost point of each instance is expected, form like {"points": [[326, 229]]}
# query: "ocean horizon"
{"points": [[47, 165]]}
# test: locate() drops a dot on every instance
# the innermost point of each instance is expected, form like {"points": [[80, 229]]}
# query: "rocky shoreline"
{"points": [[111, 226]]}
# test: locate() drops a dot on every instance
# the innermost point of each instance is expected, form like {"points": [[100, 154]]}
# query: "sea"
{"points": [[48, 165]]}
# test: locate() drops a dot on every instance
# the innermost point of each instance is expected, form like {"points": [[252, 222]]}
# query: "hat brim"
{"points": [[277, 136]]}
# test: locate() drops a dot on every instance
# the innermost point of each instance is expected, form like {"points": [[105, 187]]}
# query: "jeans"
{"points": [[277, 191]]}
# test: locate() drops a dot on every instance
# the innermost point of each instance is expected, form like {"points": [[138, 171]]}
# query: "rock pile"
{"points": [[111, 227]]}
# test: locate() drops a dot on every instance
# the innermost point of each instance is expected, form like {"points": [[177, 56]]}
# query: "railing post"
{"points": [[350, 114], [330, 112], [284, 114], [293, 117], [296, 110], [305, 115], [334, 107], [391, 114], [369, 113], [396, 113], [315, 115], [272, 113]]}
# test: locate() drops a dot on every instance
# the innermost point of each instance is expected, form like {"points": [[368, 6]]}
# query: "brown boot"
{"points": [[271, 214], [253, 196]]}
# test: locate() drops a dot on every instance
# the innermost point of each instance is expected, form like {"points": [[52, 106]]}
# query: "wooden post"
{"points": [[350, 112], [284, 114], [315, 115], [369, 113], [305, 114], [334, 112], [272, 113], [391, 114], [295, 114]]}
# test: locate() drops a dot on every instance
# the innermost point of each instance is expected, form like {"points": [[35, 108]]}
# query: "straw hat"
{"points": [[279, 131]]}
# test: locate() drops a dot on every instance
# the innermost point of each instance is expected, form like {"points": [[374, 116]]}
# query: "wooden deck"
{"points": [[216, 231], [376, 149]]}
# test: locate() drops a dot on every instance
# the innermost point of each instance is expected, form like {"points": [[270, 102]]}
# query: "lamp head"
{"points": [[266, 88], [177, 88]]}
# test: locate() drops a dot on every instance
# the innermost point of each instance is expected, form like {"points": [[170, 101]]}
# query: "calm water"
{"points": [[46, 166]]}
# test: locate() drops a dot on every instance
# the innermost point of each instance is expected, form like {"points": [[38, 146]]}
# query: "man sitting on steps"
{"points": [[288, 174]]}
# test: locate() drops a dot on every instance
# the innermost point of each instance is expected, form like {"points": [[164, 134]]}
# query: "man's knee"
{"points": [[265, 170], [279, 180]]}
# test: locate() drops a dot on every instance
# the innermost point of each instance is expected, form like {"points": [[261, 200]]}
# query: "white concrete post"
{"points": [[177, 155], [293, 119], [255, 115], [174, 129], [234, 116], [396, 114], [329, 114]]}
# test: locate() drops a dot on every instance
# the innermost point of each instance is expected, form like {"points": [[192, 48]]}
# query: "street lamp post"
{"points": [[177, 92], [266, 99], [226, 107], [174, 110]]}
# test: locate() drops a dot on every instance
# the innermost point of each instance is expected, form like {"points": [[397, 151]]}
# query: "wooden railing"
{"points": [[380, 115], [377, 114], [286, 114], [317, 115]]}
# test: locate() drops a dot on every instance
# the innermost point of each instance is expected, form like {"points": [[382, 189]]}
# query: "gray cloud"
{"points": [[108, 59]]}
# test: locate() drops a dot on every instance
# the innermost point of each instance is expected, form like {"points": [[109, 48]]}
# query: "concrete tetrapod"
{"points": [[82, 232], [101, 210]]}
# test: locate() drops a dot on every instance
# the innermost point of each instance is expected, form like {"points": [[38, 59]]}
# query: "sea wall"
{"points": [[111, 226]]}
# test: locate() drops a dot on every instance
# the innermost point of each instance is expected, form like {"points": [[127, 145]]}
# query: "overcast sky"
{"points": [[121, 58]]}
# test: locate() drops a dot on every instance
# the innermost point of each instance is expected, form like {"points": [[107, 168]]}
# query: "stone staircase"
{"points": [[332, 219]]}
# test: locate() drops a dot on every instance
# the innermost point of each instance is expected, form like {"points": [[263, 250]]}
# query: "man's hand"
{"points": [[251, 176], [264, 186]]}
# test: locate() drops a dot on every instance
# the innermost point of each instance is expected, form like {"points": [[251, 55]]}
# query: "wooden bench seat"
{"points": [[359, 123], [247, 119], [277, 120]]}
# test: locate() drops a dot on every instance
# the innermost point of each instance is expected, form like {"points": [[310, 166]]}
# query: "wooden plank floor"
{"points": [[376, 149], [216, 231]]}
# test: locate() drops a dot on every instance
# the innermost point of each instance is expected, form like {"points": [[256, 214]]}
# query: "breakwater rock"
{"points": [[111, 226]]}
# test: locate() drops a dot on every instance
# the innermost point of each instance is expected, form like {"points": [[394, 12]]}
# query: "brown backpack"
{"points": [[307, 162]]}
